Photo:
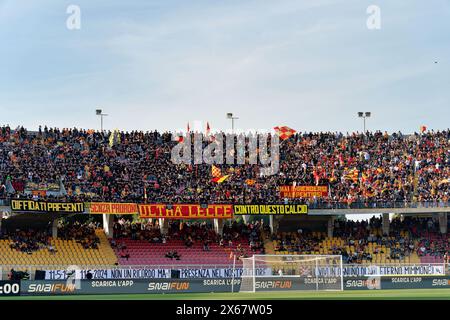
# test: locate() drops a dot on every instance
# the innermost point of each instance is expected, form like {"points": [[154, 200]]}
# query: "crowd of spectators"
{"points": [[28, 241], [32, 240], [251, 232], [361, 240], [192, 232], [137, 230], [82, 233], [373, 168]]}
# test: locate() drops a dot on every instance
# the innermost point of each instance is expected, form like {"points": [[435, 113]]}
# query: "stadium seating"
{"points": [[380, 253], [145, 253], [68, 252]]}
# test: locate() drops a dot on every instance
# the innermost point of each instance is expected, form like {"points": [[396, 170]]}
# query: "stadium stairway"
{"points": [[269, 246], [105, 248]]}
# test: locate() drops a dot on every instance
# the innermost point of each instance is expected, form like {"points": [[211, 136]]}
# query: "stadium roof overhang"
{"points": [[33, 217]]}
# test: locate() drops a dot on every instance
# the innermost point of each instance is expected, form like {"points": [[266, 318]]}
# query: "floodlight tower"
{"points": [[364, 115], [230, 116], [99, 113]]}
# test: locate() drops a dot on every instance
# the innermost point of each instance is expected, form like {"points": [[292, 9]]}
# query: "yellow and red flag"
{"points": [[284, 132], [352, 175], [250, 182], [423, 129], [216, 172], [220, 179]]}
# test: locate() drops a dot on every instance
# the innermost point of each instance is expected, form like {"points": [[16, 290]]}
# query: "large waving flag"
{"points": [[284, 132], [221, 179], [216, 172], [352, 175], [217, 175]]}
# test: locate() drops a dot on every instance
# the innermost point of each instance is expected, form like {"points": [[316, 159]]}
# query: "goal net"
{"points": [[292, 272]]}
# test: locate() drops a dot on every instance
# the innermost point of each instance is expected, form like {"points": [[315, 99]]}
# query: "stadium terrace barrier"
{"points": [[443, 206], [60, 272], [387, 270], [106, 272]]}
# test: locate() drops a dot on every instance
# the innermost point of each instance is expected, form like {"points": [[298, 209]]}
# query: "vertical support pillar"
{"points": [[271, 223], [55, 229], [218, 226], [274, 223], [443, 222], [330, 227], [385, 223], [164, 225], [108, 225]]}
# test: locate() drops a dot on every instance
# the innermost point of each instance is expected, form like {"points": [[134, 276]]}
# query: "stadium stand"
{"points": [[364, 242], [374, 168]]}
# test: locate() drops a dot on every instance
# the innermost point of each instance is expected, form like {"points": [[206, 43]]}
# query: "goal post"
{"points": [[292, 272]]}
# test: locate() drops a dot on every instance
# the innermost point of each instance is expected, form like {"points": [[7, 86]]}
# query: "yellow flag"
{"points": [[221, 179]]}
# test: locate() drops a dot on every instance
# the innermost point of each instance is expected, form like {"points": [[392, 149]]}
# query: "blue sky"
{"points": [[154, 64]]}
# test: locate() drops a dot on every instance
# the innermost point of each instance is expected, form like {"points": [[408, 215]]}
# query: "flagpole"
{"points": [[234, 270]]}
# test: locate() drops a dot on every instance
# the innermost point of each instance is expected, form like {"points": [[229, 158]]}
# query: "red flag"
{"points": [[208, 129], [423, 129]]}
